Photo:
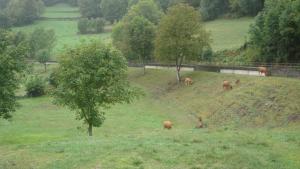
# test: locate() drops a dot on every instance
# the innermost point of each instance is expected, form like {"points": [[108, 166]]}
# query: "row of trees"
{"points": [[86, 25], [114, 10], [176, 37], [19, 12], [275, 35]]}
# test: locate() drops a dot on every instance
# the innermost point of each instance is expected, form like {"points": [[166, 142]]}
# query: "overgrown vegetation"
{"points": [[12, 63], [275, 36]]}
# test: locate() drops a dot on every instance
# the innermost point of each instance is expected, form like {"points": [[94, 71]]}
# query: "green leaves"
{"points": [[12, 63], [90, 77], [180, 35]]}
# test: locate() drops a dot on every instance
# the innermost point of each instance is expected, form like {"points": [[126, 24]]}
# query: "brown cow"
{"points": [[263, 71], [168, 125], [227, 85], [188, 81], [200, 123]]}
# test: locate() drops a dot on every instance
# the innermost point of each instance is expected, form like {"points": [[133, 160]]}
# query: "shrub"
{"points": [[83, 25], [35, 86], [53, 79], [99, 25]]}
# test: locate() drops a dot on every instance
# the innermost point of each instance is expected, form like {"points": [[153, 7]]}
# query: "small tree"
{"points": [[83, 25], [91, 78], [41, 39], [114, 10], [43, 57], [141, 38], [181, 36], [99, 25]]}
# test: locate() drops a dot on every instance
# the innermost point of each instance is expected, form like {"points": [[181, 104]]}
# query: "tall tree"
{"points": [[23, 12], [41, 41], [141, 38], [11, 64], [146, 9], [114, 10], [180, 36], [91, 78]]}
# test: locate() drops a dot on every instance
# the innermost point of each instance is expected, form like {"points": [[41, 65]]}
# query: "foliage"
{"points": [[114, 10], [43, 56], [211, 9], [12, 54], [4, 20], [86, 25], [41, 41], [131, 30], [246, 7], [52, 79], [276, 32], [90, 8], [141, 38], [35, 86], [21, 12], [147, 9], [90, 77], [180, 36]]}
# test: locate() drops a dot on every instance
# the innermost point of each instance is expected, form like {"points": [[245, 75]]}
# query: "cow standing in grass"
{"points": [[188, 81], [263, 71], [227, 85]]}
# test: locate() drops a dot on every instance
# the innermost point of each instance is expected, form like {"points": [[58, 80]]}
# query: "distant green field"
{"points": [[228, 33], [66, 33], [61, 11], [225, 33], [250, 127]]}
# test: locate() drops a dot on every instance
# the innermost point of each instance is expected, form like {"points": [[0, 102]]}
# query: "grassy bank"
{"points": [[248, 127]]}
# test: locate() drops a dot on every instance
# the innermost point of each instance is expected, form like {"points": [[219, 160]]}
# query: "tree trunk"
{"points": [[45, 65], [178, 75], [90, 130]]}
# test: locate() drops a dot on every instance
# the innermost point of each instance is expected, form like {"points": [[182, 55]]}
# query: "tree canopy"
{"points": [[90, 79], [12, 54], [180, 36], [276, 32]]}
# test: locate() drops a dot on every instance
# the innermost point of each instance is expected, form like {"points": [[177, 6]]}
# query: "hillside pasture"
{"points": [[248, 127]]}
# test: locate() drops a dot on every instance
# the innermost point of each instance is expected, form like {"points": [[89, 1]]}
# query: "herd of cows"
{"points": [[226, 86]]}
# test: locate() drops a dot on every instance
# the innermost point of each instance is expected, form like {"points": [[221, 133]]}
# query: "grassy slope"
{"points": [[247, 128]]}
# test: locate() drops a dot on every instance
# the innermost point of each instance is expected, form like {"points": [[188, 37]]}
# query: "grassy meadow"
{"points": [[253, 126]]}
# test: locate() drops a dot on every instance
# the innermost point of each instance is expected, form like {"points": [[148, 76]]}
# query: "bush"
{"points": [[99, 25], [35, 86], [53, 79], [83, 25]]}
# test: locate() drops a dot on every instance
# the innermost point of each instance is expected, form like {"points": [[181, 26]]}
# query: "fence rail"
{"points": [[280, 70]]}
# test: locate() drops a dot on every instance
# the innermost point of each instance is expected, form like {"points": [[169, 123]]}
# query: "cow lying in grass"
{"points": [[188, 81], [168, 125], [227, 85]]}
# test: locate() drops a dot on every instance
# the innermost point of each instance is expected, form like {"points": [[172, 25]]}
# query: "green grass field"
{"points": [[228, 33], [254, 126], [61, 11]]}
